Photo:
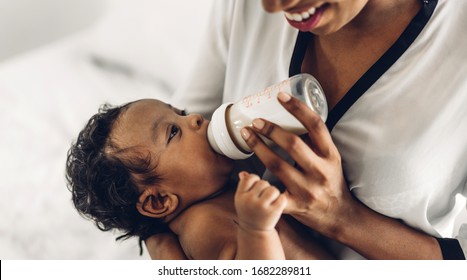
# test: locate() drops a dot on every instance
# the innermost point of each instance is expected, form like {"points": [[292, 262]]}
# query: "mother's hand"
{"points": [[317, 194], [316, 189]]}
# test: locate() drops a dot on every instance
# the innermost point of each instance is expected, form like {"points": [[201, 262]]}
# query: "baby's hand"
{"points": [[259, 205]]}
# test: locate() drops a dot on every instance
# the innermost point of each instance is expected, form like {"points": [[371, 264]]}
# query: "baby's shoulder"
{"points": [[209, 231]]}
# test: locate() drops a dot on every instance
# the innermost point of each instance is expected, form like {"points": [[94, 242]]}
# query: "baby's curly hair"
{"points": [[104, 184]]}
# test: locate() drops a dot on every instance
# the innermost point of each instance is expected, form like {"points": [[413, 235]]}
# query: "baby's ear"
{"points": [[155, 204]]}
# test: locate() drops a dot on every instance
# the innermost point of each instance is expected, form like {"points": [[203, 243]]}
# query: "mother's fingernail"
{"points": [[258, 123], [284, 97], [245, 133], [242, 175]]}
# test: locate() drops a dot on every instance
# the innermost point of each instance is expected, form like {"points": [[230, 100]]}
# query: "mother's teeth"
{"points": [[301, 16], [297, 17]]}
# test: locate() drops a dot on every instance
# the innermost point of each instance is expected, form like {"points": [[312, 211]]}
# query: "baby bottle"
{"points": [[227, 121]]}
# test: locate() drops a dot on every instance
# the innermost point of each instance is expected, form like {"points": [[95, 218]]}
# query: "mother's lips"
{"points": [[302, 15]]}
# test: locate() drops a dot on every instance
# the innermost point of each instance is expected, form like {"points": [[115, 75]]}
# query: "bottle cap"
{"points": [[315, 97], [219, 137]]}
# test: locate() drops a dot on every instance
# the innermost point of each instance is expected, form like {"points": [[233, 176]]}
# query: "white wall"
{"points": [[27, 24]]}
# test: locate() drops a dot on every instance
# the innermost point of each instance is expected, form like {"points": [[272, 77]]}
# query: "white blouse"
{"points": [[401, 130]]}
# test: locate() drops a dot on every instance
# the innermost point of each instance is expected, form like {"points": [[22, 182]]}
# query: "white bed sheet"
{"points": [[136, 50], [46, 98]]}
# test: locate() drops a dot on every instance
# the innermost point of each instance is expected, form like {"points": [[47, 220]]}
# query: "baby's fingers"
{"points": [[246, 182], [280, 203], [269, 195]]}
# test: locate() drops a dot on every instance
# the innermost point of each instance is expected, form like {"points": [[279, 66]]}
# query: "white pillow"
{"points": [[154, 38]]}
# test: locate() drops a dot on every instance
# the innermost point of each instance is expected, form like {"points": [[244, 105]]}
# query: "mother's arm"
{"points": [[318, 195], [164, 246]]}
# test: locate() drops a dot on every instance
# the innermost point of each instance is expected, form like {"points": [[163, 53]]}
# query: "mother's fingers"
{"points": [[317, 130], [298, 150], [288, 174]]}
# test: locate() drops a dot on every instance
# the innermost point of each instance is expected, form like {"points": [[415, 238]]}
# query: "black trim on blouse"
{"points": [[407, 37], [451, 249]]}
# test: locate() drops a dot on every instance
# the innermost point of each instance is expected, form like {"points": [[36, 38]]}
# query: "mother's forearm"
{"points": [[164, 246], [379, 237]]}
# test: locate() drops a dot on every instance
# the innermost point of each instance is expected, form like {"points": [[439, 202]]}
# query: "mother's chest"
{"points": [[396, 160]]}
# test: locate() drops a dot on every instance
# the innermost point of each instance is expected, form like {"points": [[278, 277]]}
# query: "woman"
{"points": [[393, 73]]}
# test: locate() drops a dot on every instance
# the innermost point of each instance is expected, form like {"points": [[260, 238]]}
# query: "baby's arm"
{"points": [[259, 207]]}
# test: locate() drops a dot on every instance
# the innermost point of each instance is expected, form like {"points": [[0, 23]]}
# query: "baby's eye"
{"points": [[173, 132], [183, 113]]}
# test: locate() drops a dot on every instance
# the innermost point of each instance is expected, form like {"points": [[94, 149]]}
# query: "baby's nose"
{"points": [[196, 120]]}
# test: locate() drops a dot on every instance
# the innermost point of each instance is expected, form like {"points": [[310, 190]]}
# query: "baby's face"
{"points": [[178, 145]]}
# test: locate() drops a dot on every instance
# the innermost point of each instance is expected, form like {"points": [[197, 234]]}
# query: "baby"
{"points": [[146, 168]]}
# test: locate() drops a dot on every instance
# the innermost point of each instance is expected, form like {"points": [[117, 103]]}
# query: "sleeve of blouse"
{"points": [[202, 90], [462, 235], [456, 248], [462, 238]]}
